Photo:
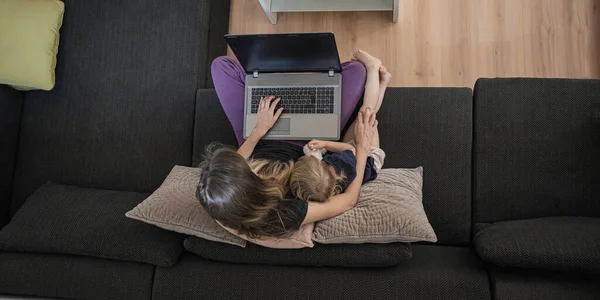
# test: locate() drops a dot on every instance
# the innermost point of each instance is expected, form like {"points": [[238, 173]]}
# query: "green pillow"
{"points": [[29, 42]]}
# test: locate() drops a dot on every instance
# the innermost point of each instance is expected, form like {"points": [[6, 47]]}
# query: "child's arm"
{"points": [[338, 204], [331, 146], [343, 202]]}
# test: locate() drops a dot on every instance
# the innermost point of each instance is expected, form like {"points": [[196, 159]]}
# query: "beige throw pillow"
{"points": [[390, 209], [173, 206]]}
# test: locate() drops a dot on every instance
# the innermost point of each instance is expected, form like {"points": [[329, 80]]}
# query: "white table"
{"points": [[272, 7]]}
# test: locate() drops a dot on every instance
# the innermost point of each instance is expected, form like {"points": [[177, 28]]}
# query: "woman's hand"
{"points": [[366, 124], [267, 115]]}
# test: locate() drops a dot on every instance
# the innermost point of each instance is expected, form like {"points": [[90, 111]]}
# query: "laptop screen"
{"points": [[302, 52]]}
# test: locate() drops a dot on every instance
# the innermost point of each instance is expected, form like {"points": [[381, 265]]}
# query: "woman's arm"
{"points": [[267, 116], [338, 204], [247, 147]]}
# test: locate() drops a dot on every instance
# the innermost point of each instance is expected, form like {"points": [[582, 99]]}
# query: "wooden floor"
{"points": [[454, 42]]}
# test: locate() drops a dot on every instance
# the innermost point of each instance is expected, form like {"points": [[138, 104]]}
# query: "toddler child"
{"points": [[329, 167]]}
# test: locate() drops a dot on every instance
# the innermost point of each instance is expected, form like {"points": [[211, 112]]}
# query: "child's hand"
{"points": [[317, 144]]}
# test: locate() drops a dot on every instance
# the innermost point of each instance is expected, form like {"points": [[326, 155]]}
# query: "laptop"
{"points": [[304, 70]]}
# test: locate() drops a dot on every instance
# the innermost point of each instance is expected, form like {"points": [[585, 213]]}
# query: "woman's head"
{"points": [[244, 195], [312, 180]]}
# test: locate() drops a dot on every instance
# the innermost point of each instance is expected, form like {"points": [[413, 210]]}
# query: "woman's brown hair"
{"points": [[245, 195]]}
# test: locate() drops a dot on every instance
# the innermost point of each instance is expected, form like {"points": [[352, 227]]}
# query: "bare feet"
{"points": [[384, 80], [371, 62], [384, 76]]}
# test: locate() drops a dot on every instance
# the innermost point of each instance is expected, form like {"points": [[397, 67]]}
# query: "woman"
{"points": [[247, 190]]}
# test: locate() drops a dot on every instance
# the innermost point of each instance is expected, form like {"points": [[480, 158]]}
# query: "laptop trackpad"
{"points": [[281, 127]]}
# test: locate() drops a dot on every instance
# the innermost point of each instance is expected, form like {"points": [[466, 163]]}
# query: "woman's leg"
{"points": [[229, 79], [354, 76], [384, 80], [372, 87]]}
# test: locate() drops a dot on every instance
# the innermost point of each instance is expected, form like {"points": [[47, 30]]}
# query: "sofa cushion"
{"points": [[73, 277], [537, 148], [345, 255], [433, 273], [389, 209], [555, 243], [529, 284], [211, 124], [71, 220], [121, 114], [29, 42], [432, 128]]}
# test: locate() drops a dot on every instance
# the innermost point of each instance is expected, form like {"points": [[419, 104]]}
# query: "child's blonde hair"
{"points": [[311, 180]]}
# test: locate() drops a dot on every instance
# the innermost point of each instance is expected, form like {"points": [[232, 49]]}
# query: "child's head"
{"points": [[312, 180], [244, 195]]}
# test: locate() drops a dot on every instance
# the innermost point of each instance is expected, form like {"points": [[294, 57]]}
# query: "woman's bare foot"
{"points": [[384, 75], [384, 80], [371, 62]]}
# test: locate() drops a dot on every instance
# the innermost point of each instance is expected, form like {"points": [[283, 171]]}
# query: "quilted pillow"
{"points": [[173, 206], [390, 209]]}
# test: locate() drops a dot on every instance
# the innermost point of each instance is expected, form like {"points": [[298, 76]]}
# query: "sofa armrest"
{"points": [[552, 243], [11, 105]]}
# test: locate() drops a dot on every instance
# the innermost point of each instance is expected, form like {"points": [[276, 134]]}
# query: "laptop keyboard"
{"points": [[297, 100]]}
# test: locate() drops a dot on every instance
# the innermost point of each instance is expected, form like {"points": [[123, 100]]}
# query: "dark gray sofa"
{"points": [[133, 99], [120, 116]]}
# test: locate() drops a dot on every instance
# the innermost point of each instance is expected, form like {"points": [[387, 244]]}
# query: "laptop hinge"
{"points": [[255, 74], [331, 73]]}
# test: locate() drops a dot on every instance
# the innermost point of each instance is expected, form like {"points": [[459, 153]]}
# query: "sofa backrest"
{"points": [[537, 148], [122, 111], [432, 127], [429, 127]]}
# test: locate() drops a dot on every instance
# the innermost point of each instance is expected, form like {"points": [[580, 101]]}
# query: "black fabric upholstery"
{"points": [[72, 220], [211, 124], [434, 272], [537, 148], [11, 105], [342, 255], [429, 127], [122, 111], [517, 284], [219, 26], [432, 127], [555, 243], [73, 277]]}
